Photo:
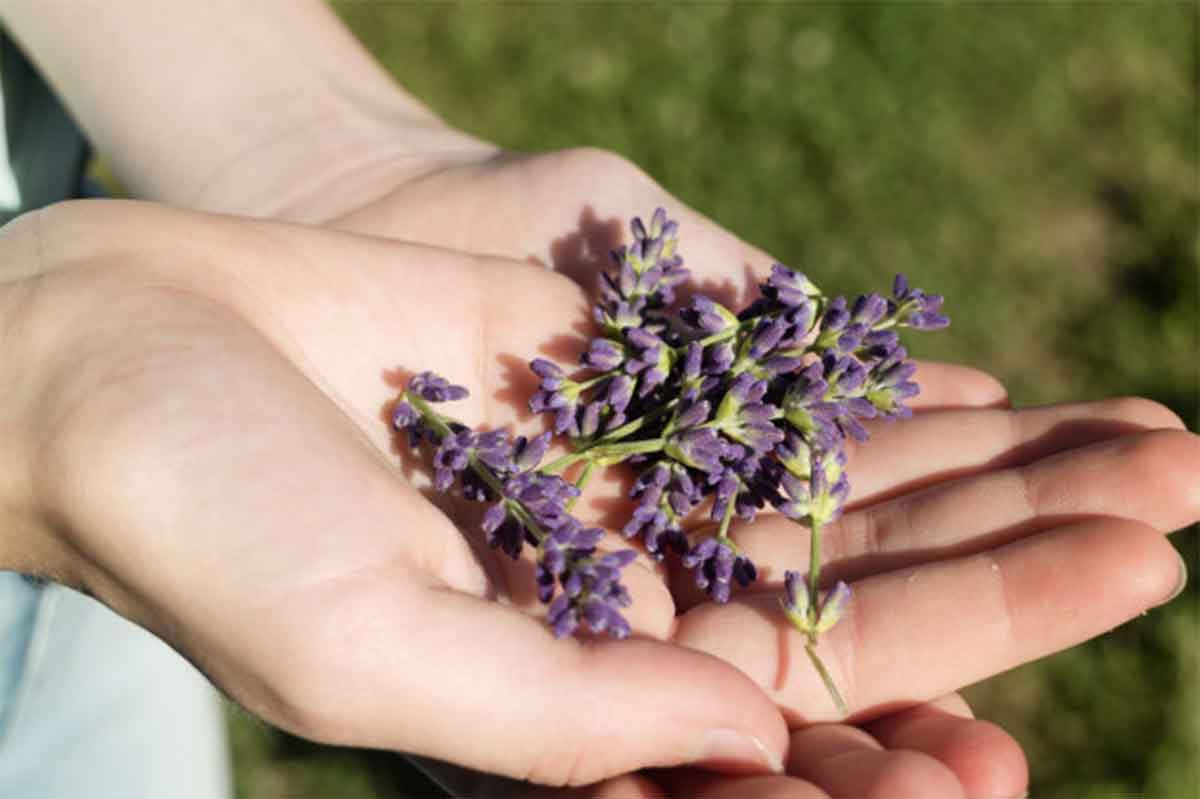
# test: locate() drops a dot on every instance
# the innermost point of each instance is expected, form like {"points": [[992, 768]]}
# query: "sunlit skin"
{"points": [[203, 444], [209, 454]]}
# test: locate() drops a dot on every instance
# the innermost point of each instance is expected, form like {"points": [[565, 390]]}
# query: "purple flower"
{"points": [[727, 485], [828, 486], [558, 394], [434, 388], [788, 287], [648, 272], [404, 416], [618, 392], [716, 565], [649, 358], [718, 358], [815, 494], [528, 495], [836, 316], [431, 388], [914, 308], [878, 345], [603, 355], [767, 334], [797, 604], [406, 419], [592, 592], [504, 530], [527, 453], [868, 310], [692, 414], [794, 501], [452, 457], [807, 410], [890, 382], [700, 448], [761, 416], [745, 418], [705, 316]]}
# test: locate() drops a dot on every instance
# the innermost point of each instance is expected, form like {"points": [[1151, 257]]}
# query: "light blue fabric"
{"points": [[94, 707]]}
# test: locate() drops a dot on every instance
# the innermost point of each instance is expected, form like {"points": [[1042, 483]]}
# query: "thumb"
{"points": [[487, 687]]}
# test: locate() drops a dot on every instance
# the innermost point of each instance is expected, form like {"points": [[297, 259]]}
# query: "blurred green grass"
{"points": [[1035, 162]]}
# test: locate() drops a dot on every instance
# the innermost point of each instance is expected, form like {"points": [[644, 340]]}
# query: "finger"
{"points": [[628, 786], [921, 632], [929, 448], [457, 781], [949, 385], [698, 785], [652, 613], [1147, 477], [846, 761], [432, 663], [904, 458], [987, 761], [953, 704]]}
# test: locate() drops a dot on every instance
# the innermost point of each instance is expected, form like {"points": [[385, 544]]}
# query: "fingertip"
{"points": [[722, 721], [952, 704], [629, 786], [895, 774], [1147, 413], [1156, 581], [913, 775], [733, 752], [987, 760], [950, 385]]}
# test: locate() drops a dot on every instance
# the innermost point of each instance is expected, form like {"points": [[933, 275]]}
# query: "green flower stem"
{"points": [[814, 577], [581, 483], [726, 520], [814, 569], [518, 510], [434, 419], [598, 451], [607, 441], [561, 464], [637, 424], [438, 423], [830, 686], [724, 335], [600, 378]]}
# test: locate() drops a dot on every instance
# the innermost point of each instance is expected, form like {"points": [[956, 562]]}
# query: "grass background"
{"points": [[1036, 163]]}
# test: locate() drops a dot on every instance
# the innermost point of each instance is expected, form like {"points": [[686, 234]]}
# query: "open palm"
{"points": [[261, 345], [993, 501]]}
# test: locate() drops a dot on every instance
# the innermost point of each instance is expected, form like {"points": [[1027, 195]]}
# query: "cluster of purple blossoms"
{"points": [[750, 409], [528, 506], [721, 413]]}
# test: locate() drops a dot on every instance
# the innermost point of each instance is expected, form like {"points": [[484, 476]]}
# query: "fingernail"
{"points": [[729, 750], [1183, 577]]}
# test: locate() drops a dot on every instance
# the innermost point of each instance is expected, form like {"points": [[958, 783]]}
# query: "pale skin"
{"points": [[201, 443]]}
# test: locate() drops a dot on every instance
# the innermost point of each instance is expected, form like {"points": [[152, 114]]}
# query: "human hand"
{"points": [[198, 438], [973, 494], [289, 198]]}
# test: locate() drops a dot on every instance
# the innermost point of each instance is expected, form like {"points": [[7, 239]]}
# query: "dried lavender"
{"points": [[718, 411]]}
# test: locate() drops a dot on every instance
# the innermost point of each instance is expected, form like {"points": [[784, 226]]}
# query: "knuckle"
{"points": [[595, 161], [578, 762]]}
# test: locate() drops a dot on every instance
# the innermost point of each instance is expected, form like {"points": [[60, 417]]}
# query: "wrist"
{"points": [[30, 541], [328, 163], [234, 102]]}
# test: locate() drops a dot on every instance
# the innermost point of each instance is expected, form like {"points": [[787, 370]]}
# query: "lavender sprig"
{"points": [[530, 507], [736, 411]]}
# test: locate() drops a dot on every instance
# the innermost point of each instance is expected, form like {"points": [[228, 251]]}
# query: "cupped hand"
{"points": [[198, 437], [978, 537]]}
